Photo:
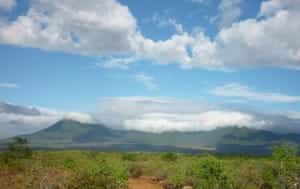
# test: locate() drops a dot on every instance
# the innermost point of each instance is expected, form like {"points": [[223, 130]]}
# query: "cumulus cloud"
{"points": [[108, 28], [7, 5], [9, 85], [172, 50], [271, 7], [230, 12], [164, 21], [16, 120], [89, 27], [237, 90]]}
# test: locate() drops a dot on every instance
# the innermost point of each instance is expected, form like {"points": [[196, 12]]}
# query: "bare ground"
{"points": [[143, 183]]}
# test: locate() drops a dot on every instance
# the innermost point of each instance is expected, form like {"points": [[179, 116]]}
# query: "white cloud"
{"points": [[271, 7], [114, 110], [268, 41], [89, 27], [237, 90], [159, 114], [230, 12], [293, 115], [173, 50], [107, 28], [205, 121], [146, 80], [16, 120], [7, 5], [9, 85], [117, 62], [164, 21]]}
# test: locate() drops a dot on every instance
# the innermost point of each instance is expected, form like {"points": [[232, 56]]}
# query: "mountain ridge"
{"points": [[70, 134]]}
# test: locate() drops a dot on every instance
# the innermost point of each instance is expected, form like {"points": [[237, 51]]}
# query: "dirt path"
{"points": [[142, 183]]}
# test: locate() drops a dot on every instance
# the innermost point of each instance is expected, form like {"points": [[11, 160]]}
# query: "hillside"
{"points": [[69, 134]]}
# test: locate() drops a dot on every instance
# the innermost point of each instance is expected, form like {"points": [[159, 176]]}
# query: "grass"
{"points": [[89, 169]]}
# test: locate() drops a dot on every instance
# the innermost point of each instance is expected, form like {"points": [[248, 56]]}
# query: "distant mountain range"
{"points": [[69, 134]]}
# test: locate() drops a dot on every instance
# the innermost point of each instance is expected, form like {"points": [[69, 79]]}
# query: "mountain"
{"points": [[69, 134]]}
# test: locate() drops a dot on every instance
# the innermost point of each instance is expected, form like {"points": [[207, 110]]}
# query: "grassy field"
{"points": [[89, 169]]}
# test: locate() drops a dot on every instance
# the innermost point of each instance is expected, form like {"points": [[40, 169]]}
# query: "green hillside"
{"points": [[69, 134]]}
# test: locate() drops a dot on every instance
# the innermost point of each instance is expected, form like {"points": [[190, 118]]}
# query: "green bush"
{"points": [[287, 164], [210, 173], [106, 176], [169, 156], [69, 163], [129, 156]]}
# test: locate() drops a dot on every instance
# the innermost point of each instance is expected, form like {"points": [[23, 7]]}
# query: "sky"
{"points": [[149, 65]]}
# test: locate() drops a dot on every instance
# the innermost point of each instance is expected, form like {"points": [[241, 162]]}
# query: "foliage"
{"points": [[287, 164], [89, 170], [210, 174], [17, 150], [169, 156], [69, 163], [129, 156], [285, 152]]}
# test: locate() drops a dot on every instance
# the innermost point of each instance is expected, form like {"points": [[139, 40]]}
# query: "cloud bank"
{"points": [[237, 90], [160, 114], [150, 114], [108, 28], [17, 120]]}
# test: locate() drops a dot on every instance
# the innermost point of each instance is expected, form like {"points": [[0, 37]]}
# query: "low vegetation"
{"points": [[22, 168]]}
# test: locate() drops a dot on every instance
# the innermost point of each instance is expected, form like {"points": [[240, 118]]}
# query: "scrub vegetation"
{"points": [[22, 168]]}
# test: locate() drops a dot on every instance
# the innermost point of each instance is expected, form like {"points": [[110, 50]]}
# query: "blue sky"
{"points": [[239, 55]]}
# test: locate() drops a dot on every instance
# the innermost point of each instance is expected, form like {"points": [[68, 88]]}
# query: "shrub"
{"points": [[107, 176], [285, 152], [169, 156], [69, 163], [287, 164], [129, 157], [209, 173], [177, 179], [17, 150]]}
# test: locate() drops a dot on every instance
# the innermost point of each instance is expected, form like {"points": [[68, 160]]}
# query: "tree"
{"points": [[18, 149]]}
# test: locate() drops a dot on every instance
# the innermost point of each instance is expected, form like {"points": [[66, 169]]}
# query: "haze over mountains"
{"points": [[148, 124], [70, 134], [146, 114]]}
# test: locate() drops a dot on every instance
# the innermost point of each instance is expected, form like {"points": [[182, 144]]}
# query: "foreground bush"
{"points": [[105, 177], [209, 174], [288, 167]]}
